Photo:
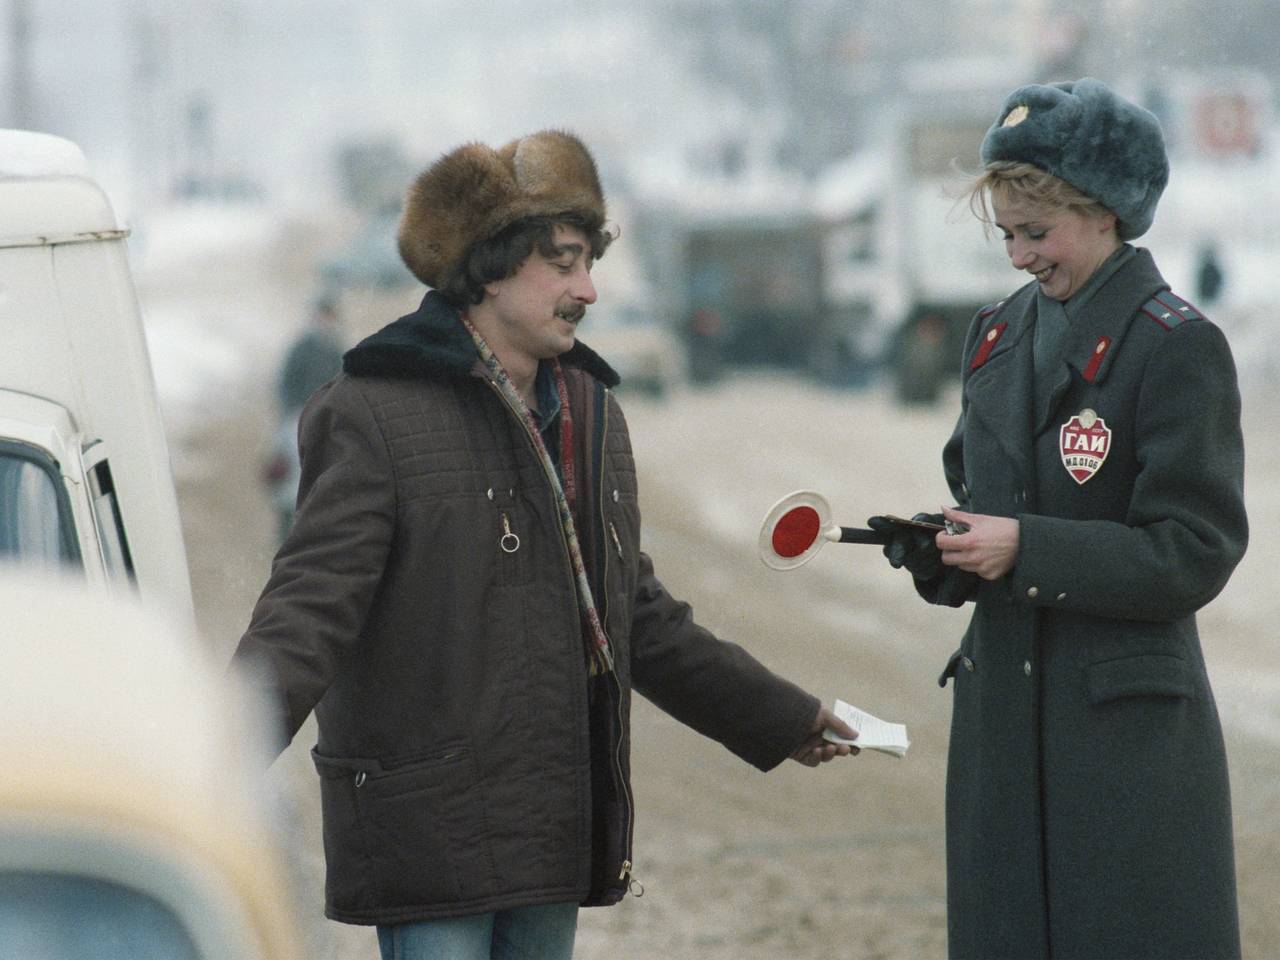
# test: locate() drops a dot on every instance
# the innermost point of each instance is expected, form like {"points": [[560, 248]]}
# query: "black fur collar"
{"points": [[431, 341]]}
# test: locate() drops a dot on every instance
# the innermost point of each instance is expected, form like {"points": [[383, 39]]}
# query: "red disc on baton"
{"points": [[795, 531], [795, 528]]}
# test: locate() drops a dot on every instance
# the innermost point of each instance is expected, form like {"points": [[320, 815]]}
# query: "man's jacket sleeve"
{"points": [[325, 575], [713, 686]]}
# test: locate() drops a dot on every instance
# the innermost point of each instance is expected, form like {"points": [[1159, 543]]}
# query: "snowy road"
{"points": [[843, 861]]}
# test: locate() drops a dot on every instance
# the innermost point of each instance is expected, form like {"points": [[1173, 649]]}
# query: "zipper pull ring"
{"points": [[509, 543]]}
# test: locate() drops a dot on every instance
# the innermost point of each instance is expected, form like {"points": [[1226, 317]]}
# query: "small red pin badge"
{"points": [[1083, 442]]}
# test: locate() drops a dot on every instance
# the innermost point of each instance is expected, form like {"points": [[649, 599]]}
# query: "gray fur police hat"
{"points": [[1106, 147]]}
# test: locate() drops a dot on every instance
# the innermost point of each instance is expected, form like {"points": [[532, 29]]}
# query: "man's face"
{"points": [[539, 306]]}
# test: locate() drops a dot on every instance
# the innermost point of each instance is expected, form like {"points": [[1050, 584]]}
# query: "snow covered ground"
{"points": [[837, 862]]}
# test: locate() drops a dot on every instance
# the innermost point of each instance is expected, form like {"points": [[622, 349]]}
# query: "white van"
{"points": [[133, 820], [85, 481]]}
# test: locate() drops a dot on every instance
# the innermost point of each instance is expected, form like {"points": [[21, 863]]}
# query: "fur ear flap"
{"points": [[474, 192]]}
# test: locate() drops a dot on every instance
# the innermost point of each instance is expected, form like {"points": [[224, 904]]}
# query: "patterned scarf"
{"points": [[599, 654]]}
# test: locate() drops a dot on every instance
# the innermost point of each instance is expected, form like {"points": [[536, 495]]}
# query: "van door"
{"points": [[113, 542]]}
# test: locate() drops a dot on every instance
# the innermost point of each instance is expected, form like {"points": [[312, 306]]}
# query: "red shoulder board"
{"points": [[1169, 310], [989, 340]]}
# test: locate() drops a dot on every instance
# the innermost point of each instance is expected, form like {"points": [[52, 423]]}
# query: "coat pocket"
{"points": [[420, 828], [427, 832], [1146, 675], [348, 884]]}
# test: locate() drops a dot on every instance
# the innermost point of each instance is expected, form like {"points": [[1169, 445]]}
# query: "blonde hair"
{"points": [[1006, 182]]}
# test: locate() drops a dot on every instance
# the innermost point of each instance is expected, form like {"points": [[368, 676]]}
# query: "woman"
{"points": [[1098, 466]]}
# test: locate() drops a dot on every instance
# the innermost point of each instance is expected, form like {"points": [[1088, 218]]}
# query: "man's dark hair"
{"points": [[502, 254]]}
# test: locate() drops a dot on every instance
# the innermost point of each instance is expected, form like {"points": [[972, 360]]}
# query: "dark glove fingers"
{"points": [[895, 551], [923, 559]]}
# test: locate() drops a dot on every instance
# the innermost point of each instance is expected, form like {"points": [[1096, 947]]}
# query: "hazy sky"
{"points": [[281, 83]]}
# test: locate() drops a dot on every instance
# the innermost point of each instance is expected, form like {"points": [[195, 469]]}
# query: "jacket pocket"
{"points": [[427, 830], [1147, 675], [424, 830], [348, 883]]}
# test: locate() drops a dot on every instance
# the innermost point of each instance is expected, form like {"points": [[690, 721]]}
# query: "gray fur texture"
{"points": [[1082, 132]]}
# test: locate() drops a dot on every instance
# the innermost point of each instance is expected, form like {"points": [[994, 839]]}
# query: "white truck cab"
{"points": [[85, 479]]}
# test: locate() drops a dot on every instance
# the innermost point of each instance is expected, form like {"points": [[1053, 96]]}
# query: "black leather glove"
{"points": [[911, 547]]}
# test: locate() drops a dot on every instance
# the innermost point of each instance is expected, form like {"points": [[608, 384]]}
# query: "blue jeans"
{"points": [[543, 932]]}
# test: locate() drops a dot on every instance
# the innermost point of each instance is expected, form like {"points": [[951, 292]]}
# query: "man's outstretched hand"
{"points": [[815, 750]]}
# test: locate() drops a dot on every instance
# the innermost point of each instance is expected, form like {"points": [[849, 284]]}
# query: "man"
{"points": [[312, 359], [462, 598]]}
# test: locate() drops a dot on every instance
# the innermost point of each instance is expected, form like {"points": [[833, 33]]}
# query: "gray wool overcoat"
{"points": [[1088, 809]]}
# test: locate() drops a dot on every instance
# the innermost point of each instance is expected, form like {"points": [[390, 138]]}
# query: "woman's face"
{"points": [[1060, 247]]}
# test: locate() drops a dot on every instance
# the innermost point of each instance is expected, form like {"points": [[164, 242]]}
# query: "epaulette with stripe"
{"points": [[989, 309], [1170, 310]]}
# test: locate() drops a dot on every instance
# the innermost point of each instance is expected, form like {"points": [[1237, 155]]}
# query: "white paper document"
{"points": [[873, 733]]}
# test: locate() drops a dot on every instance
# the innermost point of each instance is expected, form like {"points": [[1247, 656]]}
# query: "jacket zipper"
{"points": [[624, 875]]}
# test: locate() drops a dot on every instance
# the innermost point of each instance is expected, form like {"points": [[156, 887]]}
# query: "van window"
{"points": [[35, 516], [106, 514]]}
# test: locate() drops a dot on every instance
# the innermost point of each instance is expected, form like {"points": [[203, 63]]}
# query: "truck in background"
{"points": [[900, 248], [832, 275], [85, 478]]}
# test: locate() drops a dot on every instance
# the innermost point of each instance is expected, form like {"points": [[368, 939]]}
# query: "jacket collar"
{"points": [[432, 342], [1095, 337], [1001, 391]]}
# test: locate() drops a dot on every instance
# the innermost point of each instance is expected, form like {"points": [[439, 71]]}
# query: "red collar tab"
{"points": [[1099, 354], [989, 341]]}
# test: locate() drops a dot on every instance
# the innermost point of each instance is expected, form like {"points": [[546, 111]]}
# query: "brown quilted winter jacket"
{"points": [[467, 762]]}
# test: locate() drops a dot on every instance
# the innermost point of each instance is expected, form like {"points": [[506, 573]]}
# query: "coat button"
{"points": [[1033, 592], [1026, 667], [489, 493], [967, 664], [615, 496], [1062, 596]]}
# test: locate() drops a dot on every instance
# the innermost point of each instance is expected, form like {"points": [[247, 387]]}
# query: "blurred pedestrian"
{"points": [[313, 359], [1209, 276], [1097, 463], [921, 362], [704, 336], [463, 600]]}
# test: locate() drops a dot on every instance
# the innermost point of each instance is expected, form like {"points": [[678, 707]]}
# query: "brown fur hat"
{"points": [[474, 192]]}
